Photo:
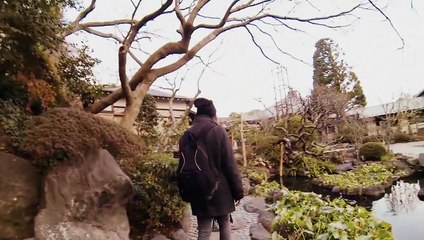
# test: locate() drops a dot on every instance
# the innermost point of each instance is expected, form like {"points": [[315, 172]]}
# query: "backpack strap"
{"points": [[201, 135]]}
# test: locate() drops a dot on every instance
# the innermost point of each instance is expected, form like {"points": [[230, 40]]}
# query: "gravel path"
{"points": [[240, 229]]}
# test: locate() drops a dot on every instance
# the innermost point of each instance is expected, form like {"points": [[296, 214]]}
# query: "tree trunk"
{"points": [[282, 151], [243, 143], [132, 110]]}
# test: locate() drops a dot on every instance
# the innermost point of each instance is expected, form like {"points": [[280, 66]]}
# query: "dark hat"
{"points": [[205, 107]]}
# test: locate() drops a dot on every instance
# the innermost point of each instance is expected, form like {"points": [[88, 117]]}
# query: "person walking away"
{"points": [[208, 176]]}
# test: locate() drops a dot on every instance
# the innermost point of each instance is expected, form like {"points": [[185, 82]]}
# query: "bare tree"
{"points": [[326, 108], [251, 15]]}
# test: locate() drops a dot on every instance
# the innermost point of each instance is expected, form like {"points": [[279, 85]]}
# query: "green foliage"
{"points": [[77, 77], [27, 28], [147, 120], [298, 129], [157, 203], [33, 56], [366, 175], [307, 216], [265, 188], [311, 166], [331, 71], [388, 157], [372, 151], [12, 90], [66, 133], [400, 137], [12, 121], [264, 146], [257, 176]]}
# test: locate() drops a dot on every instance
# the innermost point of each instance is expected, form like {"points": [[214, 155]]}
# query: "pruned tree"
{"points": [[196, 18], [332, 72]]}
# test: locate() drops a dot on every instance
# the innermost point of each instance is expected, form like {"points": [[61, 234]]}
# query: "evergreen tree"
{"points": [[37, 68], [147, 120], [332, 72]]}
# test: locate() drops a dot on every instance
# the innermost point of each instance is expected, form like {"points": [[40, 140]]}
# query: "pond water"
{"points": [[399, 206]]}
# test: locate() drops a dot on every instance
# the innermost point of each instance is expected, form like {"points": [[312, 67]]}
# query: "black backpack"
{"points": [[197, 176]]}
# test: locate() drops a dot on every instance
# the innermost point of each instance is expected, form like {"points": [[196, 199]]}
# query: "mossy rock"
{"points": [[66, 133]]}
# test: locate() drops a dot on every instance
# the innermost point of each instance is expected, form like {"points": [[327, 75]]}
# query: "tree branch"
{"points": [[390, 22], [200, 4], [223, 20], [122, 63], [114, 37], [73, 26], [252, 37]]}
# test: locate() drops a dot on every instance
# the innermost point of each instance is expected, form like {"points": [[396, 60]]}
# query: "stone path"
{"points": [[411, 149], [240, 229]]}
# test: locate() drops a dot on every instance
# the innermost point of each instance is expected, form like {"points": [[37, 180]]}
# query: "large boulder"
{"points": [[255, 205], [85, 199], [20, 193], [258, 232]]}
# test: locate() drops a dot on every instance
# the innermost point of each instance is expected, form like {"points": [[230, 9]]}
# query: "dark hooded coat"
{"points": [[220, 151]]}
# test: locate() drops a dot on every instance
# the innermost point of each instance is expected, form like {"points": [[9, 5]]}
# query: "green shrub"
{"points": [[306, 216], [372, 151], [13, 120], [265, 146], [311, 166], [296, 125], [157, 202], [400, 137], [265, 188], [257, 177], [65, 133]]}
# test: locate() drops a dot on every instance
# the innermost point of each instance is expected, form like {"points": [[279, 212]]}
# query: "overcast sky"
{"points": [[241, 75]]}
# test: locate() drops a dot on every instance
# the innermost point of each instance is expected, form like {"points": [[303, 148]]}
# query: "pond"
{"points": [[399, 206]]}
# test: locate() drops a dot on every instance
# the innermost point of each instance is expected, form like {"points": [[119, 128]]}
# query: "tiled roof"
{"points": [[416, 103], [152, 92], [420, 94]]}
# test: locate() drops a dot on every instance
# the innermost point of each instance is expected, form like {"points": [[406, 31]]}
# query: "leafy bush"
{"points": [[307, 216], [265, 146], [364, 176], [372, 151], [257, 177], [296, 125], [311, 167], [265, 188], [400, 137], [12, 90], [65, 133], [157, 202], [12, 121]]}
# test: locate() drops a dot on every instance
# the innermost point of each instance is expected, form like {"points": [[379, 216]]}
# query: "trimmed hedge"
{"points": [[372, 151], [65, 133]]}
